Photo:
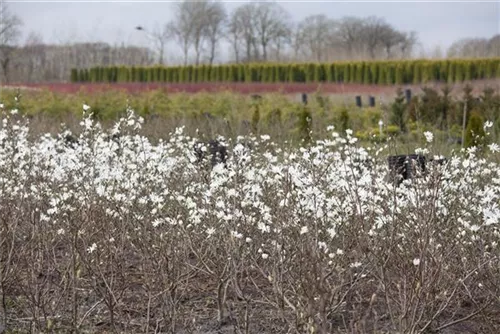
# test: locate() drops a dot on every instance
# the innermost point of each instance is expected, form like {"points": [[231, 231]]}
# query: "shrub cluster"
{"points": [[362, 72], [440, 111], [106, 231]]}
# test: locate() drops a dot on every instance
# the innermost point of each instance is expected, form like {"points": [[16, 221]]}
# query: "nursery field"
{"points": [[155, 212], [105, 229], [395, 118]]}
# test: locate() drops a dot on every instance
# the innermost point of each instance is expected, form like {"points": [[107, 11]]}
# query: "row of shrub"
{"points": [[285, 119], [375, 72]]}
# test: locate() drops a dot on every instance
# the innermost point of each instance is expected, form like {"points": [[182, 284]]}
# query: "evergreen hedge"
{"points": [[363, 72]]}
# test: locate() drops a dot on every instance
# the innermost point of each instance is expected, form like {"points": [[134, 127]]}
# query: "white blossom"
{"points": [[428, 136], [494, 147], [92, 248], [355, 265], [487, 125], [236, 234]]}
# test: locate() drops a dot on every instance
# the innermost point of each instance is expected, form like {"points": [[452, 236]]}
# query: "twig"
{"points": [[89, 311]]}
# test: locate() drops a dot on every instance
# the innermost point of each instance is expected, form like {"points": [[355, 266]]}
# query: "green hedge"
{"points": [[376, 72]]}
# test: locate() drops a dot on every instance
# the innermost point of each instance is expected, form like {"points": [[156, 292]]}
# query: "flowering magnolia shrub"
{"points": [[110, 232]]}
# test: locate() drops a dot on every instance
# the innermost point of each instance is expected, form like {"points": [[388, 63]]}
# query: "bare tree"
{"points": [[9, 34], [198, 11], [270, 21], [408, 43], [475, 47], [242, 30], [215, 27], [351, 31], [372, 33], [198, 23], [36, 61], [314, 36], [389, 38], [181, 27], [282, 39], [469, 47], [233, 35]]}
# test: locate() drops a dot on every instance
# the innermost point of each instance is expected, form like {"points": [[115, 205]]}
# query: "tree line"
{"points": [[475, 47], [361, 72], [37, 62], [253, 32], [264, 31]]}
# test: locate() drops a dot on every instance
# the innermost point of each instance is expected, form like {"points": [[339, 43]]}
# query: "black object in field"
{"points": [[71, 141], [406, 166], [304, 98], [214, 150], [408, 95], [372, 101], [358, 101]]}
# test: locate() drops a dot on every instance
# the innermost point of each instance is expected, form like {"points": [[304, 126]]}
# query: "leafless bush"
{"points": [[126, 236]]}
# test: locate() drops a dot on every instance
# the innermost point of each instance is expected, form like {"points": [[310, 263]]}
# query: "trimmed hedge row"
{"points": [[376, 72]]}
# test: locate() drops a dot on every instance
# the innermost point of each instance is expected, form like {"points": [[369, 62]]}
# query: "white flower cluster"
{"points": [[267, 204], [313, 190]]}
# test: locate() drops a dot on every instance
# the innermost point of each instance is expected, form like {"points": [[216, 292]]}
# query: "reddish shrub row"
{"points": [[244, 88]]}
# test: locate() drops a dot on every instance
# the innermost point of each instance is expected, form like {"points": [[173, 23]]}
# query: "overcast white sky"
{"points": [[437, 22]]}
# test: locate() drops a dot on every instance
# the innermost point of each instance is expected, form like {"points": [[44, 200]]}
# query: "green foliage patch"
{"points": [[388, 72]]}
